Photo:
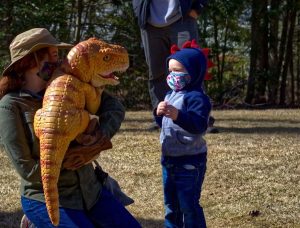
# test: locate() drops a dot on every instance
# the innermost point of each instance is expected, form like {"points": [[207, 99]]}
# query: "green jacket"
{"points": [[77, 189]]}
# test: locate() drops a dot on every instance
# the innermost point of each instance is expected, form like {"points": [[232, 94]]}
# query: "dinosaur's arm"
{"points": [[92, 97]]}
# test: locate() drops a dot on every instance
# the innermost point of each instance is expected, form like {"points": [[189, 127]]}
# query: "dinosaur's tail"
{"points": [[51, 158], [55, 132]]}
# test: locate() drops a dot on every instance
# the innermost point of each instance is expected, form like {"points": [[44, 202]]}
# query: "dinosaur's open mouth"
{"points": [[108, 76]]}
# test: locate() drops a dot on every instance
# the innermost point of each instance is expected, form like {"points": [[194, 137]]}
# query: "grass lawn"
{"points": [[252, 179]]}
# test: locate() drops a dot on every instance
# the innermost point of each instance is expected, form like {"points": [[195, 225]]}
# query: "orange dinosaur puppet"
{"points": [[69, 100]]}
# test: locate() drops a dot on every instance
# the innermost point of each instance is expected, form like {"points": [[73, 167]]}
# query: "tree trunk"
{"points": [[282, 48], [78, 21], [262, 61], [273, 81], [258, 54], [292, 83], [224, 50], [288, 56], [298, 62], [217, 46]]}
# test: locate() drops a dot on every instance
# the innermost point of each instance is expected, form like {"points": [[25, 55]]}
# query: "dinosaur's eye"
{"points": [[106, 58]]}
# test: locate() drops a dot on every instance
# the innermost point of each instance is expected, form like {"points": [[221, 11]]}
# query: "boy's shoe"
{"points": [[212, 130], [26, 223], [211, 121]]}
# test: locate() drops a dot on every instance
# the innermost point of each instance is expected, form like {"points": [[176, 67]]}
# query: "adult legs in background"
{"points": [[156, 43], [183, 30]]}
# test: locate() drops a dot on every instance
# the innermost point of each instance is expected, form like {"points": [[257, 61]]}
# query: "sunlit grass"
{"points": [[252, 178]]}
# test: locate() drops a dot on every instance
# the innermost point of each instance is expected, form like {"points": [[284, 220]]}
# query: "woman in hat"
{"points": [[83, 200]]}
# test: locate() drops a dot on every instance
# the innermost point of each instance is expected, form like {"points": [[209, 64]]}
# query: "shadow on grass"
{"points": [[260, 130], [151, 223], [258, 120], [132, 119], [252, 130], [10, 219], [139, 130]]}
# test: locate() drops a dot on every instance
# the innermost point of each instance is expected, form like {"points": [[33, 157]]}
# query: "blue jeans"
{"points": [[106, 213], [182, 189]]}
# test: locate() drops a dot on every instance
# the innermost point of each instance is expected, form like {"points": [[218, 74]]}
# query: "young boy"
{"points": [[183, 117]]}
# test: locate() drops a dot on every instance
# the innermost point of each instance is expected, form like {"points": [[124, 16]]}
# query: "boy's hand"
{"points": [[167, 110], [171, 112], [161, 108]]}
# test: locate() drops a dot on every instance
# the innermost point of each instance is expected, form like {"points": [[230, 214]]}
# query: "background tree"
{"points": [[255, 45], [259, 52], [277, 73]]}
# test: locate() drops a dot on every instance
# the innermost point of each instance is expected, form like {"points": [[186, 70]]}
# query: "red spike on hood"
{"points": [[194, 44], [210, 64], [186, 44], [174, 48], [208, 76], [206, 51]]}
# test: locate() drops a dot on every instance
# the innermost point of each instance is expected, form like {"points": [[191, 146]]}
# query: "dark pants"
{"points": [[106, 213], [182, 189], [157, 43]]}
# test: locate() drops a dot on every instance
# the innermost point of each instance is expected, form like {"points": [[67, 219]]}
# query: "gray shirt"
{"points": [[164, 12]]}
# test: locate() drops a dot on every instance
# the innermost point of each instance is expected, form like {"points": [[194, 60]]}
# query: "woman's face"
{"points": [[52, 54], [47, 64]]}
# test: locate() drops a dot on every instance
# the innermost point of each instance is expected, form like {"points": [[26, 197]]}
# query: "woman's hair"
{"points": [[14, 80]]}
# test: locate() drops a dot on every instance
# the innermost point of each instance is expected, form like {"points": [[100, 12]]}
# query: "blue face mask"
{"points": [[178, 80]]}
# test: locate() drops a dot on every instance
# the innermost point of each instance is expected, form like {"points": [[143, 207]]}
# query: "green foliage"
{"points": [[133, 88], [224, 26]]}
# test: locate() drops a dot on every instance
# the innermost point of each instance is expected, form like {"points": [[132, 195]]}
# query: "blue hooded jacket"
{"points": [[184, 136]]}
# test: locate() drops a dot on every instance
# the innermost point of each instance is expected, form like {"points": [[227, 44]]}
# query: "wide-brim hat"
{"points": [[29, 42]]}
